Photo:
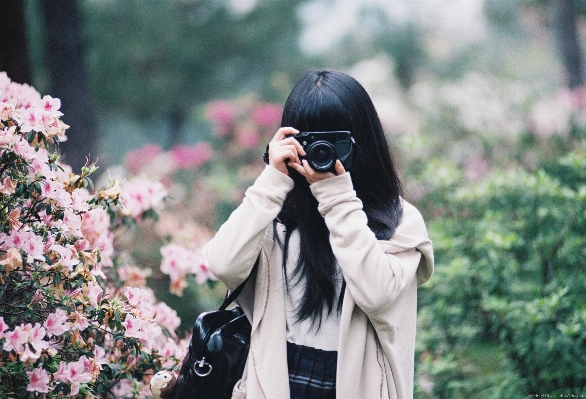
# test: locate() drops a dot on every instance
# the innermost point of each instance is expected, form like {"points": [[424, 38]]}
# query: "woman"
{"points": [[333, 299]]}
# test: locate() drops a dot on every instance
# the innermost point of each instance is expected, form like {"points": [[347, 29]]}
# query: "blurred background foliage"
{"points": [[484, 105]]}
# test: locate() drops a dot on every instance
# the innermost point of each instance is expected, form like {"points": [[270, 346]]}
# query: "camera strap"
{"points": [[265, 156]]}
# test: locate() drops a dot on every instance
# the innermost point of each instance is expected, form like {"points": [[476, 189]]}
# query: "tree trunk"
{"points": [[14, 58], [68, 81], [564, 21]]}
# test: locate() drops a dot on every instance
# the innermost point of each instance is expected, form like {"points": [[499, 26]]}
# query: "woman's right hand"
{"points": [[283, 150]]}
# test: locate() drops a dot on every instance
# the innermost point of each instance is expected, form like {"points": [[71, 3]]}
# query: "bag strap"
{"points": [[234, 294]]}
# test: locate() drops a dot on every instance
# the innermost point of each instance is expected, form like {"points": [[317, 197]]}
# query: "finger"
{"points": [[277, 148], [314, 174], [284, 131], [339, 168], [297, 144], [299, 168], [282, 156], [309, 171]]}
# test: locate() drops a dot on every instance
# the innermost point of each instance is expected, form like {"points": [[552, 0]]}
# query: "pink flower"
{"points": [[146, 332], [166, 317], [138, 297], [247, 138], [3, 327], [475, 168], [50, 105], [71, 222], [140, 195], [55, 323], [94, 293], [80, 322], [134, 326], [136, 160], [61, 373], [23, 148], [15, 340], [188, 157], [30, 119], [38, 381], [95, 226], [35, 342], [39, 165], [100, 356], [36, 337], [79, 198], [75, 372], [123, 389], [222, 115], [8, 137], [177, 260], [67, 256], [28, 242], [7, 109], [267, 115], [133, 276], [140, 301], [203, 274]]}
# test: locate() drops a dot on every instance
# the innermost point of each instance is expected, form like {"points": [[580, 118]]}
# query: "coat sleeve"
{"points": [[376, 272], [231, 254]]}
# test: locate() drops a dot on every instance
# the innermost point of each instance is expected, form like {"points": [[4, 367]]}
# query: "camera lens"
{"points": [[321, 155]]}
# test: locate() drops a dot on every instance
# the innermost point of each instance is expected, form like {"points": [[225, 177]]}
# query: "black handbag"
{"points": [[217, 353]]}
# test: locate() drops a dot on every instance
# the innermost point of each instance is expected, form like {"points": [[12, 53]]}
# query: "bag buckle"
{"points": [[200, 365]]}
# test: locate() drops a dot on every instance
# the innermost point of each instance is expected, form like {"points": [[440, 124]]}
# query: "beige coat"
{"points": [[377, 323]]}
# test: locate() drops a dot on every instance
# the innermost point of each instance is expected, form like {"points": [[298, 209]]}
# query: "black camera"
{"points": [[323, 148]]}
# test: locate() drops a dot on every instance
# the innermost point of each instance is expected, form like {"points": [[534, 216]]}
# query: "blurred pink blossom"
{"points": [[222, 115], [123, 389], [140, 195], [267, 115], [135, 160], [139, 298], [247, 138], [551, 116], [475, 168], [576, 98], [188, 157], [167, 317], [133, 276]]}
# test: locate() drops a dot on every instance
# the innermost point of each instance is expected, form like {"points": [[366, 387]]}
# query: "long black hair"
{"points": [[330, 100]]}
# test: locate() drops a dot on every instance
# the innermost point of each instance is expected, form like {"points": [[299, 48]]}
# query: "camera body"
{"points": [[322, 149]]}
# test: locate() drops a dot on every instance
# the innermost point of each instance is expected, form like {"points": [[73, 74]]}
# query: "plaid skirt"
{"points": [[312, 372]]}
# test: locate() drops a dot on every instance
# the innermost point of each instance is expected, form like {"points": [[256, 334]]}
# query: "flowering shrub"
{"points": [[76, 318], [195, 176]]}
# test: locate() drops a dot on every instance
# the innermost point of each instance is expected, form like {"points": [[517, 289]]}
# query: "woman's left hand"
{"points": [[312, 176]]}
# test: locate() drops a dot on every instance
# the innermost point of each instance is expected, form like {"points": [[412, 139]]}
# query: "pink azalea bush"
{"points": [[242, 128], [76, 318]]}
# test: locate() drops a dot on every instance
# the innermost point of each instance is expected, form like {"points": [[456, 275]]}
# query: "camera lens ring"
{"points": [[321, 155]]}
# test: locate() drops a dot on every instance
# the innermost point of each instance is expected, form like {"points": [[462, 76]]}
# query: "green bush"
{"points": [[510, 263]]}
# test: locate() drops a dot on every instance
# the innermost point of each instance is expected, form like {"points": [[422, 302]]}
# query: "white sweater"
{"points": [[376, 342]]}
